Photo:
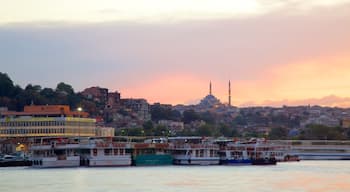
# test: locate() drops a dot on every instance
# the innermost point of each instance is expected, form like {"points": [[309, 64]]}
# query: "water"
{"points": [[304, 176]]}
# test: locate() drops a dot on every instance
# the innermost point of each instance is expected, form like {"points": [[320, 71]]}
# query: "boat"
{"points": [[194, 151], [104, 152], [261, 152], [234, 153], [320, 149], [14, 161], [151, 152], [55, 152]]}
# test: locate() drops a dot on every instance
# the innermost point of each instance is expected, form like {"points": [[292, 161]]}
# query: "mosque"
{"points": [[210, 100]]}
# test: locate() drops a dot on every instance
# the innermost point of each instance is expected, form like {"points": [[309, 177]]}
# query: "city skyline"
{"points": [[274, 52]]}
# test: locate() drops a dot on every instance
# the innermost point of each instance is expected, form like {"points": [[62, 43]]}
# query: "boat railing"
{"points": [[111, 144], [194, 146], [345, 147]]}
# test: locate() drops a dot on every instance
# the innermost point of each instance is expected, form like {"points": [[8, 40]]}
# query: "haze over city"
{"points": [[274, 52]]}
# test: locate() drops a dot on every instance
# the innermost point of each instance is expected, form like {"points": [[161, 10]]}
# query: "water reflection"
{"points": [[305, 176]]}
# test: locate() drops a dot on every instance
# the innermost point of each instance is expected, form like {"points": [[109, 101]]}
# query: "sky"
{"points": [[275, 52]]}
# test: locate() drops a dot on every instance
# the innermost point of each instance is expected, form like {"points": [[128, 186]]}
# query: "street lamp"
{"points": [[79, 115]]}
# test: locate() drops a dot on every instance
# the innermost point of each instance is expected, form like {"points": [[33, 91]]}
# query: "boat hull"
{"points": [[323, 156], [152, 160], [264, 162], [15, 163], [196, 161], [55, 163], [236, 162], [110, 161]]}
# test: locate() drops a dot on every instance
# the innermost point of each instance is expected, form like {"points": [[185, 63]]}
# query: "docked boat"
{"points": [[261, 152], [319, 149], [55, 152], [104, 152], [234, 153], [151, 152], [194, 151], [14, 161]]}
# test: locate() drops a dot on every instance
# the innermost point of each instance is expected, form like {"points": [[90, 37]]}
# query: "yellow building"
{"points": [[47, 121]]}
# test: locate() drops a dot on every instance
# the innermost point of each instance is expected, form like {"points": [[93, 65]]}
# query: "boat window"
{"points": [[108, 152]]}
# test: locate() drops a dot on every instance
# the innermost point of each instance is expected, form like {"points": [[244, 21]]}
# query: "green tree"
{"points": [[239, 120], [160, 112], [278, 133], [135, 131], [64, 88], [189, 116], [323, 132], [205, 130], [208, 117], [161, 130], [148, 128], [6, 85], [227, 131]]}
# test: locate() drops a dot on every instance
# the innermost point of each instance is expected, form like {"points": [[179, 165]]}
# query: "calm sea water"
{"points": [[308, 176]]}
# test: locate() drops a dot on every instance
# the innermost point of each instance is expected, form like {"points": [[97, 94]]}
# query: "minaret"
{"points": [[229, 93], [210, 88]]}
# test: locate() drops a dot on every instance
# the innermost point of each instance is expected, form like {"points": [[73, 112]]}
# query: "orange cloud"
{"points": [[296, 83], [171, 88], [322, 81]]}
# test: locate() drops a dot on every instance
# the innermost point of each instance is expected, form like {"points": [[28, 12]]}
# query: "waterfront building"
{"points": [[20, 128], [46, 120]]}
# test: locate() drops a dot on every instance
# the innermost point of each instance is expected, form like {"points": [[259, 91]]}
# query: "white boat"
{"points": [[233, 153], [104, 152], [55, 152], [193, 151], [320, 149]]}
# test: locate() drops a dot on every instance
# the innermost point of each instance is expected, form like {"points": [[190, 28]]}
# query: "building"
{"points": [[345, 123], [96, 93], [113, 100], [105, 131], [173, 126], [46, 121], [139, 107], [322, 120]]}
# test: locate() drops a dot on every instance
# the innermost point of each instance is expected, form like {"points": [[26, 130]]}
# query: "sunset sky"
{"points": [[282, 52]]}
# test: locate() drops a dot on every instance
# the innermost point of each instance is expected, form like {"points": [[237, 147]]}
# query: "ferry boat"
{"points": [[14, 161], [261, 152], [320, 149], [151, 152], [102, 152], [55, 152], [233, 153], [194, 151]]}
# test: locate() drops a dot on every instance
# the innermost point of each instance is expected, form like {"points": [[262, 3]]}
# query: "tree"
{"points": [[135, 132], [48, 93], [208, 117], [227, 131], [278, 133], [159, 112], [189, 116], [6, 85], [322, 132], [148, 127], [239, 120], [161, 130], [64, 88], [205, 130]]}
